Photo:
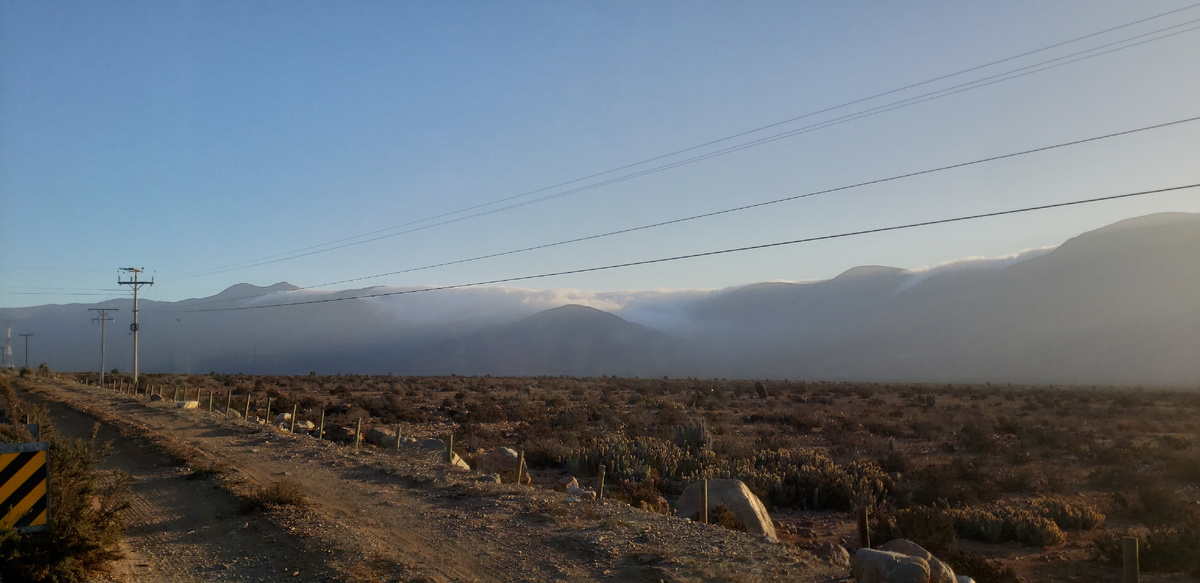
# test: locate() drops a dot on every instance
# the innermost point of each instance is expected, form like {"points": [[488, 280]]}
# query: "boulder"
{"points": [[939, 572], [834, 553], [566, 483], [188, 404], [502, 460], [735, 497], [303, 427], [431, 443], [964, 579], [872, 566], [155, 398], [339, 433], [283, 418], [381, 436], [458, 462]]}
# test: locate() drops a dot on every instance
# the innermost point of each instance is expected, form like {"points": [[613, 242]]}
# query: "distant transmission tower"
{"points": [[136, 285], [8, 357], [102, 318]]}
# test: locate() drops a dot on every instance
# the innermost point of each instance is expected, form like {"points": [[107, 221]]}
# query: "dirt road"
{"points": [[376, 514]]}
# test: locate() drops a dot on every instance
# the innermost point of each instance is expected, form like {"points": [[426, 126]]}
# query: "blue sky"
{"points": [[192, 137]]}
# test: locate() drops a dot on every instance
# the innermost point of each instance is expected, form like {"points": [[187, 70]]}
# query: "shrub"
{"points": [[694, 436], [281, 493], [85, 506], [1069, 515], [1162, 549], [1002, 523]]}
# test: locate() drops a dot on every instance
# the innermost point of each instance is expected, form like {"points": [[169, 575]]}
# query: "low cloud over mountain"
{"points": [[1119, 305]]}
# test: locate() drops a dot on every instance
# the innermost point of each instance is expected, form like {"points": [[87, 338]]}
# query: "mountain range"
{"points": [[1116, 306]]}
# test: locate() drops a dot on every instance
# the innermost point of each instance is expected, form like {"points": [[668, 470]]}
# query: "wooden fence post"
{"points": [[210, 399], [450, 448], [704, 501], [175, 395], [520, 464], [864, 534], [600, 486], [292, 429], [397, 437], [247, 415], [358, 433], [321, 430], [1129, 559], [228, 401], [267, 416]]}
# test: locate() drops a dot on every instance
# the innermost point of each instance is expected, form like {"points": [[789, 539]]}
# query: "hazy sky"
{"points": [[191, 137]]}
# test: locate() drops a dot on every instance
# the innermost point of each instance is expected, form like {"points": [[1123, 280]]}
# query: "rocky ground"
{"points": [[376, 514]]}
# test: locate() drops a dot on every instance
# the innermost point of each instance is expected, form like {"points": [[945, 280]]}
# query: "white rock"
{"points": [[735, 497], [939, 572], [872, 566], [188, 404]]}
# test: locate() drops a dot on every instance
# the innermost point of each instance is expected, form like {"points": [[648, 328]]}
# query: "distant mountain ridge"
{"points": [[1117, 305]]}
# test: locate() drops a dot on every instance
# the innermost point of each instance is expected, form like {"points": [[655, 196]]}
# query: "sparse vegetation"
{"points": [[85, 506], [1026, 465]]}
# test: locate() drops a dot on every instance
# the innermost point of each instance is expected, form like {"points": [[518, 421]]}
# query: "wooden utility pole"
{"points": [[102, 318], [27, 348], [134, 327]]}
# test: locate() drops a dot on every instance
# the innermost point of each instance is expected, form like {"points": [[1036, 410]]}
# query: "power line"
{"points": [[743, 207], [711, 253], [372, 235]]}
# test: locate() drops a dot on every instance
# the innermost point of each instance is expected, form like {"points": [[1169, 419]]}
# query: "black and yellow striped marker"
{"points": [[24, 486]]}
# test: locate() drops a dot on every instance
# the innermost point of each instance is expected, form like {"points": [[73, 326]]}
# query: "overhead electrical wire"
{"points": [[742, 207], [705, 253], [371, 236]]}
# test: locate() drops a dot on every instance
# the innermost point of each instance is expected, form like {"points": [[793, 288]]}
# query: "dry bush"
{"points": [[86, 506], [282, 493]]}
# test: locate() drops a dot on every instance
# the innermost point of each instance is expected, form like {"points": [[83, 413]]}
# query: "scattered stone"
{"points": [[872, 566], [283, 417], [431, 443], [834, 553], [582, 494], [188, 404], [381, 436], [565, 484], [572, 500], [491, 479], [502, 460], [735, 497], [304, 427], [939, 572]]}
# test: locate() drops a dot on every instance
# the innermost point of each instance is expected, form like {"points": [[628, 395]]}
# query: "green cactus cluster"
{"points": [[1003, 523], [797, 478], [1068, 515]]}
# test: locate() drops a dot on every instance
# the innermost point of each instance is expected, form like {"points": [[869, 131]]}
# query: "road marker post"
{"points": [[25, 504]]}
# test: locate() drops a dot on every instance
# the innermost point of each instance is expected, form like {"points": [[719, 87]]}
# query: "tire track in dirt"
{"points": [[181, 530], [382, 515]]}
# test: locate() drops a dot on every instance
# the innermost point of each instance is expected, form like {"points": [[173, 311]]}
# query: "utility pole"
{"points": [[136, 285], [27, 348], [102, 318], [8, 357]]}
